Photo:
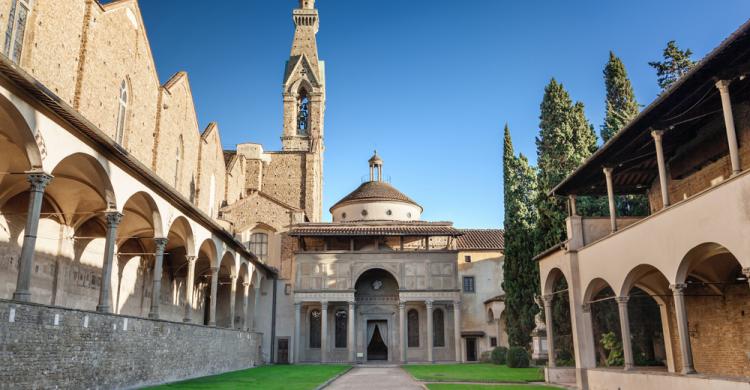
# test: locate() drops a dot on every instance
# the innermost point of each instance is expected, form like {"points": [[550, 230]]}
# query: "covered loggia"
{"points": [[225, 294], [558, 320], [201, 299], [241, 297], [602, 302]]}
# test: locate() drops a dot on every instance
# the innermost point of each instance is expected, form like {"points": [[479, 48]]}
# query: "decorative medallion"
{"points": [[377, 285]]}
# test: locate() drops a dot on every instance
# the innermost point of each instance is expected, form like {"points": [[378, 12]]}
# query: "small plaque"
{"points": [[360, 355]]}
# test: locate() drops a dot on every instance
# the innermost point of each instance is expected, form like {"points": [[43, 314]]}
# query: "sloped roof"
{"points": [[481, 239], [376, 228], [374, 191]]}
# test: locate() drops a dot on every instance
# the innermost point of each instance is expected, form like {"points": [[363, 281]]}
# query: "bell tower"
{"points": [[304, 85]]}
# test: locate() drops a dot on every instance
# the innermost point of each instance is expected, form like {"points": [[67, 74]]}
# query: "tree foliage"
{"points": [[621, 105], [521, 274], [566, 138], [676, 63]]}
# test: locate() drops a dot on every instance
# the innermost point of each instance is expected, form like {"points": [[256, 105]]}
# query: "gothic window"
{"points": [[413, 328], [303, 113], [19, 14], [438, 328], [259, 245], [341, 328], [122, 112], [315, 328], [178, 162]]}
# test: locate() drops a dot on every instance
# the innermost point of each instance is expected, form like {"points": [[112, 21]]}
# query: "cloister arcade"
{"points": [[690, 320], [79, 228]]}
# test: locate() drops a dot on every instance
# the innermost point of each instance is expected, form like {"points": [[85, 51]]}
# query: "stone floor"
{"points": [[365, 378]]}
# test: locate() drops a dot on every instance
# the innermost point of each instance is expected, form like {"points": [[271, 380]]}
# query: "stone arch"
{"points": [[647, 278], [81, 184], [694, 263], [226, 290], [595, 287], [16, 130], [180, 231], [599, 299], [553, 276], [361, 272]]}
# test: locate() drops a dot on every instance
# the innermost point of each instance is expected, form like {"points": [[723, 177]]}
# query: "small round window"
{"points": [[389, 212], [364, 213], [343, 215], [408, 215]]}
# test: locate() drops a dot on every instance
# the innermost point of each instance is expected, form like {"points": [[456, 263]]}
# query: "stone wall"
{"points": [[49, 347], [211, 171]]}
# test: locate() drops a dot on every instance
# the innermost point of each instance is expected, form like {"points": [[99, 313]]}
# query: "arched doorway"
{"points": [[376, 293]]}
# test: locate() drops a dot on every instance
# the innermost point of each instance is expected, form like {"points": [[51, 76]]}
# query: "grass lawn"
{"points": [[282, 377], [486, 373], [445, 386]]}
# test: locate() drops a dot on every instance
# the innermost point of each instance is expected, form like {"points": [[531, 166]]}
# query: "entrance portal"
{"points": [[377, 340]]}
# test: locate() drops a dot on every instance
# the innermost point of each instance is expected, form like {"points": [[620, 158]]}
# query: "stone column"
{"points": [[678, 292], [402, 330], [430, 331], [189, 286], [627, 349], [323, 331], [113, 219], [726, 105], [160, 244], [457, 330], [657, 134], [214, 293], [38, 181], [297, 325], [551, 358], [611, 199], [232, 300], [255, 307], [350, 333], [245, 306]]}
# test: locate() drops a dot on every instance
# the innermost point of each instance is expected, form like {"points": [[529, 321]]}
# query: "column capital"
{"points": [[351, 302], [297, 305], [161, 243], [723, 85], [428, 303], [113, 218], [214, 270], [191, 259], [678, 288], [657, 134], [401, 305], [38, 180], [746, 272], [547, 299], [246, 284], [608, 171], [457, 302], [586, 308], [324, 304], [622, 300], [234, 278]]}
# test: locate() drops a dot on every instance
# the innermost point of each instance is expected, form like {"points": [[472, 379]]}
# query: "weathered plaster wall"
{"points": [[487, 269]]}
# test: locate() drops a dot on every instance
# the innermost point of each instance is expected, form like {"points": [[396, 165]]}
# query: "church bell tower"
{"points": [[304, 85]]}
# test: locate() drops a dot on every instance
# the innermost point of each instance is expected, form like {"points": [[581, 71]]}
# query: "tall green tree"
{"points": [[566, 138], [521, 274], [675, 64], [621, 104]]}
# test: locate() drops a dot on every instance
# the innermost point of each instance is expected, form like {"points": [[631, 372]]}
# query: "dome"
{"points": [[376, 200]]}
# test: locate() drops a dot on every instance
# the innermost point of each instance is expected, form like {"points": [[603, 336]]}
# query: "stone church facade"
{"points": [[118, 212]]}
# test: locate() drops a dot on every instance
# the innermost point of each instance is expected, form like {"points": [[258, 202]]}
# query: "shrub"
{"points": [[614, 347], [517, 357], [486, 357], [499, 355]]}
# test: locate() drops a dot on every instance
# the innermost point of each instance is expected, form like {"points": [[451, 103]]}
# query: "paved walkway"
{"points": [[365, 378]]}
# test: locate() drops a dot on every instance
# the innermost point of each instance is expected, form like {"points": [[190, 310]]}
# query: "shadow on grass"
{"points": [[280, 377]]}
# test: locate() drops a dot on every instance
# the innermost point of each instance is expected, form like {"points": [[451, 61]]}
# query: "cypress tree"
{"points": [[621, 104], [566, 138], [521, 274], [676, 64]]}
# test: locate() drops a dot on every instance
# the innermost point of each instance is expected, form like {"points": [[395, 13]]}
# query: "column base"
{"points": [[153, 316], [187, 320], [23, 296], [688, 371], [103, 309], [212, 324]]}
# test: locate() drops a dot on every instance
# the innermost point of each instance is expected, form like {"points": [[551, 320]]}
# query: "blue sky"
{"points": [[430, 84]]}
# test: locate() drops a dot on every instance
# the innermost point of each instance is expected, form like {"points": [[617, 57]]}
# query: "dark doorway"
{"points": [[376, 348], [206, 308], [282, 354], [471, 349]]}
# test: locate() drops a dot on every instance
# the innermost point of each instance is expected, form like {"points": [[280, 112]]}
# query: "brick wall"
{"points": [[47, 347]]}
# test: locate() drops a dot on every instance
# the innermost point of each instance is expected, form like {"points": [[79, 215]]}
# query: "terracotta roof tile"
{"points": [[481, 239], [375, 190], [375, 228]]}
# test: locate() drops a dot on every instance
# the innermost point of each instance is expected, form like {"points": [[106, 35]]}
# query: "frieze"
{"points": [[323, 296]]}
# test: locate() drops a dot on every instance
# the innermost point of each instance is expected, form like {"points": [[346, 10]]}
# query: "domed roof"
{"points": [[375, 159], [376, 191]]}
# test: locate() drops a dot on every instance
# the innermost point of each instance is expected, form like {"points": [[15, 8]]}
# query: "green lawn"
{"points": [[296, 377], [486, 373], [445, 386]]}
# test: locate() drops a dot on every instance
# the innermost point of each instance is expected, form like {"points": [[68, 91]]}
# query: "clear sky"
{"points": [[428, 83]]}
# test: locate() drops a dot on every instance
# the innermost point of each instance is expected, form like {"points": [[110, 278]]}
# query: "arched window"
{"points": [[438, 328], [178, 162], [259, 245], [412, 328], [212, 195], [303, 113], [341, 328], [315, 328], [122, 112], [19, 14]]}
